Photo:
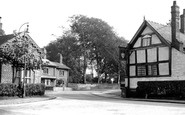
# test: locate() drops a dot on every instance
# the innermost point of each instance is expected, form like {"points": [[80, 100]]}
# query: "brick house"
{"points": [[53, 71], [157, 52], [48, 73], [10, 74]]}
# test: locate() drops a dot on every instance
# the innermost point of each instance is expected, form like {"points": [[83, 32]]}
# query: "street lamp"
{"points": [[24, 75]]}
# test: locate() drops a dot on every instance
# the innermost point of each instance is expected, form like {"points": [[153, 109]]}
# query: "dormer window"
{"points": [[146, 40]]}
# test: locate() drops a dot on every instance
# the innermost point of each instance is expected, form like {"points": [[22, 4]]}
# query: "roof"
{"points": [[163, 32], [5, 38], [54, 64]]}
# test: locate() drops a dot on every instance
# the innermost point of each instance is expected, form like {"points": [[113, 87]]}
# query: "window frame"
{"points": [[145, 38], [45, 70]]}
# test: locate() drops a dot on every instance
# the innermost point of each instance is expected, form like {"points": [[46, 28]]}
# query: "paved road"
{"points": [[84, 103]]}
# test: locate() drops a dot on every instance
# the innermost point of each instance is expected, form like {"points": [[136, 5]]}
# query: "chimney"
{"points": [[183, 22], [1, 30], [45, 53], [174, 23], [0, 24], [61, 58]]}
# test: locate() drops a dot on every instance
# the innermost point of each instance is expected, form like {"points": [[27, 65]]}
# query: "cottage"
{"points": [[48, 73], [157, 52], [15, 74], [54, 71]]}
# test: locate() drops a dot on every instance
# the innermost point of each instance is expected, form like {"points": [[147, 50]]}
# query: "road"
{"points": [[85, 103]]}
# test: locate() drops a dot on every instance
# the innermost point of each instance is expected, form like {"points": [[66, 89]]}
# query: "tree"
{"points": [[90, 41], [100, 41], [68, 46]]}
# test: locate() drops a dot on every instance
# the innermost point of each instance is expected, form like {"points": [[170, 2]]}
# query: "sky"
{"points": [[46, 17]]}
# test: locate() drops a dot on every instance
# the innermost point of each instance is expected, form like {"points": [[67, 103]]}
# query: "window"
{"points": [[61, 73], [45, 70], [147, 70], [146, 40], [141, 70], [152, 70]]}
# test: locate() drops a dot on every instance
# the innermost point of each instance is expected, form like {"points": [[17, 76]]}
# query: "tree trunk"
{"points": [[0, 71], [105, 77], [84, 68]]}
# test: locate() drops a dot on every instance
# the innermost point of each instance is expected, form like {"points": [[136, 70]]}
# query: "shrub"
{"points": [[59, 82], [35, 89], [161, 89], [8, 89]]}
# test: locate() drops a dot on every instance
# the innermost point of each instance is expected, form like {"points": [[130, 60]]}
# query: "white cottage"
{"points": [[157, 52]]}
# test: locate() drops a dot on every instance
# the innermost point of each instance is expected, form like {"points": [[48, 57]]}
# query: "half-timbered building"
{"points": [[157, 51]]}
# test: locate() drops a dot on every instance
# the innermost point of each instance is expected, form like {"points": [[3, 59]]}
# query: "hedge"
{"points": [[8, 89], [11, 89], [35, 89], [175, 89]]}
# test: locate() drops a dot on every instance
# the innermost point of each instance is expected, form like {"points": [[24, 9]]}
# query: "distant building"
{"points": [[157, 52], [53, 71]]}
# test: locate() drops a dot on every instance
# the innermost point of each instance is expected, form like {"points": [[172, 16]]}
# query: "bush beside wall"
{"points": [[161, 89], [35, 89], [8, 89], [11, 89]]}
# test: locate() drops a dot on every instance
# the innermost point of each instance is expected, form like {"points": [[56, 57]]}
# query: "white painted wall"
{"points": [[178, 69]]}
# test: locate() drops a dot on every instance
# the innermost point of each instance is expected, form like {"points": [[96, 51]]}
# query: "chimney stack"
{"points": [[0, 24], [174, 23], [61, 58], [183, 22], [1, 30], [45, 53]]}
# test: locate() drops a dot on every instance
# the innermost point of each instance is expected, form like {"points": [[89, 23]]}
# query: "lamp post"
{"points": [[24, 73]]}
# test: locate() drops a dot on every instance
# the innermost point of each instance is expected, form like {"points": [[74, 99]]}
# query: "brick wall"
{"points": [[6, 76], [178, 65]]}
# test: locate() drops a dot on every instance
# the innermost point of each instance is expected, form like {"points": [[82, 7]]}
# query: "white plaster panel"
{"points": [[147, 30], [155, 39], [152, 55], [141, 58], [163, 69], [138, 42], [163, 53], [132, 70], [132, 58]]}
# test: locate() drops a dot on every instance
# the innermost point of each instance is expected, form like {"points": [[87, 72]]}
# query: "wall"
{"points": [[178, 70], [178, 65], [63, 77], [7, 75]]}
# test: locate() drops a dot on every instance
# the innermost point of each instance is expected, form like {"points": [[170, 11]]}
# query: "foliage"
{"points": [[59, 82], [99, 43], [8, 89], [161, 89], [20, 50], [67, 46], [35, 89], [90, 41]]}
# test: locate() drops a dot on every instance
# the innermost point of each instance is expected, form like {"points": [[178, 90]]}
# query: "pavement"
{"points": [[116, 93]]}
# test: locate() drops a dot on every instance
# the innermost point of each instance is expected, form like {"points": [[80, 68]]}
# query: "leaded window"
{"points": [[152, 70], [141, 70]]}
